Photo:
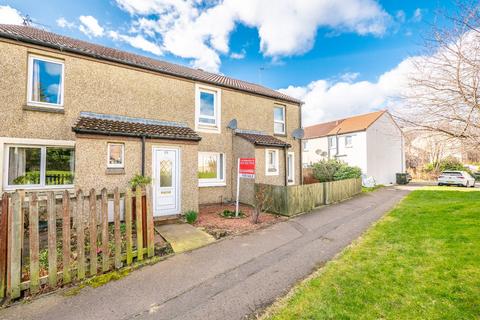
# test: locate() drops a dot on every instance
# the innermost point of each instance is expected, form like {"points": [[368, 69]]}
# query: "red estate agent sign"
{"points": [[246, 169]]}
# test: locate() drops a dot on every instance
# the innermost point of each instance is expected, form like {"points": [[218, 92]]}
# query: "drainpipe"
{"points": [[143, 155]]}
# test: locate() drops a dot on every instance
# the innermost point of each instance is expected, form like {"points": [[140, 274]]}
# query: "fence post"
{"points": [[93, 232], [3, 244], [150, 227], [79, 228], [15, 237], [139, 224], [52, 239], [67, 278], [118, 236], [104, 215], [128, 225], [34, 243]]}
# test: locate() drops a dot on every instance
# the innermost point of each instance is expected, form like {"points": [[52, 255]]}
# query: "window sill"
{"points": [[271, 174], [280, 134], [115, 171], [38, 188], [203, 184], [44, 109]]}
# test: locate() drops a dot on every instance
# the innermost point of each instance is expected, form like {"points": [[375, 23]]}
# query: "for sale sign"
{"points": [[246, 168]]}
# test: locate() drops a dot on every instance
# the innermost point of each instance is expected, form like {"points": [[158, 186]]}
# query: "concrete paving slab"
{"points": [[184, 237]]}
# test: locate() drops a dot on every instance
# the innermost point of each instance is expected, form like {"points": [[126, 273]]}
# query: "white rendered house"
{"points": [[372, 141]]}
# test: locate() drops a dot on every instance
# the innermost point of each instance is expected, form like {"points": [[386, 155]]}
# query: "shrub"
{"points": [[191, 216], [229, 214], [140, 181], [333, 170], [449, 163]]}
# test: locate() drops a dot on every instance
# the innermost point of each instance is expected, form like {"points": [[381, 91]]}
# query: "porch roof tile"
{"points": [[265, 140]]}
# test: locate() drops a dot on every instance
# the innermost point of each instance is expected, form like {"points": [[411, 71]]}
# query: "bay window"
{"points": [[39, 166], [45, 82], [211, 169]]}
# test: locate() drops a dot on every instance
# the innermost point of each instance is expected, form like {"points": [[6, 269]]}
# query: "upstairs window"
{"points": [[45, 82], [279, 119], [207, 109], [348, 141], [271, 162], [211, 169], [116, 155]]}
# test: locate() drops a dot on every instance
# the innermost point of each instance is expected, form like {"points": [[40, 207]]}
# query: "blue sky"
{"points": [[314, 50]]}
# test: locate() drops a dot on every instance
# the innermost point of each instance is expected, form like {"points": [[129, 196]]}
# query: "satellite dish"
{"points": [[298, 133], [318, 152], [233, 124]]}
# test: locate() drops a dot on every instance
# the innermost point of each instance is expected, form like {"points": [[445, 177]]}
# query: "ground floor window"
{"points": [[211, 168], [271, 162], [291, 168], [39, 166]]}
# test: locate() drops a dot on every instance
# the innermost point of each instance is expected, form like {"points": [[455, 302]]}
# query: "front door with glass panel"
{"points": [[166, 181]]}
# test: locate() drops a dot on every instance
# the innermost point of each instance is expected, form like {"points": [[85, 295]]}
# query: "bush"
{"points": [[191, 216], [334, 170], [140, 181], [449, 163]]}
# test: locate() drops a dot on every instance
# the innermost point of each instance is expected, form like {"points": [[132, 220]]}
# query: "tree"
{"points": [[443, 90], [263, 202]]}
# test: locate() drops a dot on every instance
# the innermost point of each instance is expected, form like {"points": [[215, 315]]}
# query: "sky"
{"points": [[340, 57]]}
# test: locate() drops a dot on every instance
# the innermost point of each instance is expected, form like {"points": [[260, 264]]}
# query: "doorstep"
{"points": [[184, 237]]}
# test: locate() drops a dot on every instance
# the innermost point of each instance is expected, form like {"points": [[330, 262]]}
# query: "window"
{"points": [[332, 142], [211, 169], [291, 168], [348, 141], [279, 120], [45, 82], [39, 166], [116, 155], [271, 162], [207, 109], [305, 145]]}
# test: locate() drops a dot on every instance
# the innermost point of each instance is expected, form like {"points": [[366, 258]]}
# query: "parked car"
{"points": [[458, 178]]}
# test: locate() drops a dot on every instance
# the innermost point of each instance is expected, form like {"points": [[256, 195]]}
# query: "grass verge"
{"points": [[421, 261]]}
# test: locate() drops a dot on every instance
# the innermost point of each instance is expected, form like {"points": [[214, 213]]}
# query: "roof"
{"points": [[342, 126], [114, 125], [52, 40], [262, 139]]}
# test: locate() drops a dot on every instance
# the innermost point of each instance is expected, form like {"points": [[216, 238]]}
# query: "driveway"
{"points": [[229, 279]]}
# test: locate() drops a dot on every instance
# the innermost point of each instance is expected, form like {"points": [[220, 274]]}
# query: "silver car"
{"points": [[457, 178]]}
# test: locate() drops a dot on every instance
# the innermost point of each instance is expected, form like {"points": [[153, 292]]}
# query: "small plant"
{"points": [[139, 181], [229, 214], [191, 216]]}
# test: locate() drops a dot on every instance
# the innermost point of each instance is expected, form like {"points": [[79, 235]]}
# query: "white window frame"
{"points": [[33, 103], [277, 106], [43, 163], [217, 110], [292, 171], [277, 171], [116, 165], [348, 145], [215, 182], [332, 145], [305, 145]]}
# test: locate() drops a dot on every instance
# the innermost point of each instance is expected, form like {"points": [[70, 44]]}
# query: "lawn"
{"points": [[421, 261]]}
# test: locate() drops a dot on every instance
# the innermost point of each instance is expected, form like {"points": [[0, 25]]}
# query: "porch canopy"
{"points": [[115, 125], [259, 138]]}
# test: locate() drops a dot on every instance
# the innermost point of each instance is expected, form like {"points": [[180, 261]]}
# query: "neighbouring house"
{"points": [[79, 115], [373, 142]]}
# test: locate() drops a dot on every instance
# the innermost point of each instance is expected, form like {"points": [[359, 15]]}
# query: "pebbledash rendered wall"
{"points": [[103, 87]]}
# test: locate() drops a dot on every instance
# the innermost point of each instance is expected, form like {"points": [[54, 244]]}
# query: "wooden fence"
{"points": [[292, 200], [52, 239]]}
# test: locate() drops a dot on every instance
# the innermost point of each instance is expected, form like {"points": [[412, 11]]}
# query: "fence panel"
{"points": [[73, 240], [290, 200]]}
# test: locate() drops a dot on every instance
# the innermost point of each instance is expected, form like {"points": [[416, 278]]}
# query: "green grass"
{"points": [[421, 261], [370, 189]]}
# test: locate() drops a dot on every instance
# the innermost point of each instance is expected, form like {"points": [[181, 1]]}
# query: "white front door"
{"points": [[166, 186]]}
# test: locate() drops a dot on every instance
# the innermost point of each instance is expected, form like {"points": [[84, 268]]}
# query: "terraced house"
{"points": [[79, 115]]}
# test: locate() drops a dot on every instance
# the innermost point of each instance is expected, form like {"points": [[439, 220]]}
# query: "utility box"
{"points": [[402, 178]]}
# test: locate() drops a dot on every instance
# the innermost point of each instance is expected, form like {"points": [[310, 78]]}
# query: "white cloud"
{"points": [[349, 76], [239, 55], [401, 16], [9, 15], [138, 42], [327, 100], [64, 23], [417, 15], [200, 29], [90, 26]]}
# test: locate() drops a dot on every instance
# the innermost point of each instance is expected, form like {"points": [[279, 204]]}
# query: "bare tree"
{"points": [[263, 202], [443, 90]]}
